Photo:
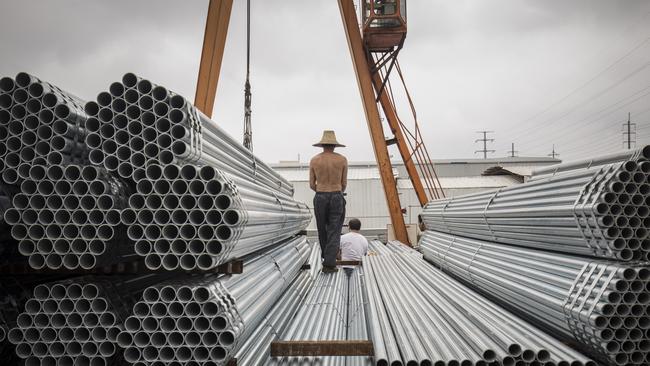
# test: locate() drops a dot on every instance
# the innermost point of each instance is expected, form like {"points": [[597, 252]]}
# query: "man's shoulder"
{"points": [[340, 156], [316, 157]]}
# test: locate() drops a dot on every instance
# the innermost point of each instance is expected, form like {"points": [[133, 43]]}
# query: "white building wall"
{"points": [[365, 194]]}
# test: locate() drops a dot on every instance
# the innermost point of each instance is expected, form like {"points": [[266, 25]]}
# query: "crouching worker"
{"points": [[354, 246]]}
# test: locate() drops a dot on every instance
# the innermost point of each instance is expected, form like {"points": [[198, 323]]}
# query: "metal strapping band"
{"points": [[443, 261], [469, 265], [442, 213], [485, 209], [602, 289], [576, 281], [581, 200]]}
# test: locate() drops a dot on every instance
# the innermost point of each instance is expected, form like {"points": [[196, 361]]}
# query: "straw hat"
{"points": [[329, 138]]}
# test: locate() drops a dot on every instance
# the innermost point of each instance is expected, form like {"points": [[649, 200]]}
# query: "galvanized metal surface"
{"points": [[603, 212], [207, 318], [603, 306], [436, 320], [76, 321], [168, 185]]}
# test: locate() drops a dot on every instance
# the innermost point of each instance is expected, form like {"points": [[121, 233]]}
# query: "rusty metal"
{"points": [[214, 41], [364, 80], [321, 348]]}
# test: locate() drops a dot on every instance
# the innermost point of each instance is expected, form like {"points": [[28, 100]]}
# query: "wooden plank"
{"points": [[214, 42], [366, 89], [321, 348], [232, 267], [349, 263]]}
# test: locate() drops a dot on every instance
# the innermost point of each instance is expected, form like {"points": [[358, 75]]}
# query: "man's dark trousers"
{"points": [[329, 209]]}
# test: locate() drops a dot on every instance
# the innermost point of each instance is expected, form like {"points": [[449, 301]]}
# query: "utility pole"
{"points": [[485, 140], [512, 151], [627, 132], [553, 153]]}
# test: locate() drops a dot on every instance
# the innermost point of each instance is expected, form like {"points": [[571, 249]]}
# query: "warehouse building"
{"points": [[365, 195]]}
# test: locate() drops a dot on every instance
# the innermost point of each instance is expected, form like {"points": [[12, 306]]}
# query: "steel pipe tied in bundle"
{"points": [[39, 124], [256, 348], [321, 317], [602, 306], [69, 217], [76, 322], [437, 321], [601, 210], [205, 319], [188, 217], [201, 197], [137, 123]]}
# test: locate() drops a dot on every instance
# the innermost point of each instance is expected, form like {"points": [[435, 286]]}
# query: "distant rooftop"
{"points": [[490, 161], [518, 167]]}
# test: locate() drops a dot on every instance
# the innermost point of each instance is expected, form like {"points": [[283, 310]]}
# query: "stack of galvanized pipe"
{"points": [[76, 321], [143, 177], [69, 217], [200, 198], [206, 319], [168, 185], [14, 292], [39, 124], [509, 243], [324, 315], [256, 348], [601, 211], [419, 315]]}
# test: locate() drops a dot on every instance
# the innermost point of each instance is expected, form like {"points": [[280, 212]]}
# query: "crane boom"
{"points": [[214, 42], [364, 80]]}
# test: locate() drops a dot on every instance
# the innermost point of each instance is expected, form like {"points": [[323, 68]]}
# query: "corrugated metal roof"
{"points": [[523, 170], [354, 173], [468, 182]]}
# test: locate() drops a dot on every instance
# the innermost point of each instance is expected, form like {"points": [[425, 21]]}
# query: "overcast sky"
{"points": [[536, 72]]}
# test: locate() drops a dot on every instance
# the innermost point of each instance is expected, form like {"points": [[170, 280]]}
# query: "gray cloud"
{"points": [[470, 65]]}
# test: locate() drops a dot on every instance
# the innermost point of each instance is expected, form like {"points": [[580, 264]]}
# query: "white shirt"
{"points": [[353, 246]]}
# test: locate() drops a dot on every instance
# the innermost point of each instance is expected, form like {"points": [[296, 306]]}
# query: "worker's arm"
{"points": [[344, 176], [312, 178]]}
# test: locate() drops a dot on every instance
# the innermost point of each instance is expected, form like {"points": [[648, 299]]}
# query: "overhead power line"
{"points": [[635, 48]]}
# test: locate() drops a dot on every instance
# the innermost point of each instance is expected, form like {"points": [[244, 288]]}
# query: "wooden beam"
{"points": [[364, 80], [214, 42], [348, 263], [321, 348], [236, 266]]}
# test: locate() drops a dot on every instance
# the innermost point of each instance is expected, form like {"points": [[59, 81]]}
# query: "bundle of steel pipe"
{"points": [[69, 217], [357, 326], [603, 306], [602, 211], [205, 319], [39, 124], [188, 217], [137, 123], [256, 348], [76, 321], [590, 163], [437, 321], [322, 316], [201, 198], [14, 293]]}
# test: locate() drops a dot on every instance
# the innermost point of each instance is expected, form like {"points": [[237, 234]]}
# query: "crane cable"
{"points": [[248, 131]]}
